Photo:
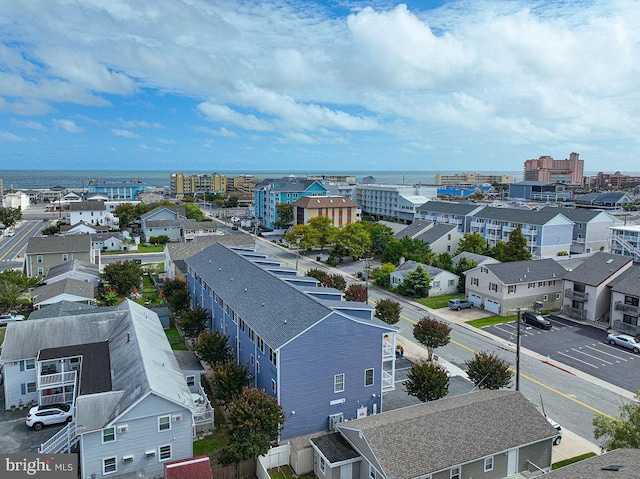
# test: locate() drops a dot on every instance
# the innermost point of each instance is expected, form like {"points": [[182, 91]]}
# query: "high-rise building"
{"points": [[546, 168], [188, 185], [471, 178]]}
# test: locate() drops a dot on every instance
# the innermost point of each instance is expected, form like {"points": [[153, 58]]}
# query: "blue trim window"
{"points": [[338, 383]]}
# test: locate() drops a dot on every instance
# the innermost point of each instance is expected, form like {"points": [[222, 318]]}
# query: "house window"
{"points": [[631, 300], [322, 464], [455, 473], [545, 297], [164, 423], [372, 472], [40, 272], [451, 282], [493, 287], [191, 381], [251, 360], [628, 319], [109, 465], [488, 464], [29, 364], [252, 335], [368, 377], [65, 257], [242, 325], [257, 367], [579, 287], [39, 258], [436, 284], [338, 383], [511, 289], [475, 281], [557, 296], [165, 452], [108, 435], [26, 388], [260, 344], [273, 356], [273, 385]]}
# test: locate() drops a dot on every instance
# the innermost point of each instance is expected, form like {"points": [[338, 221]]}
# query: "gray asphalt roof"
{"points": [[526, 271], [595, 467], [461, 209], [579, 215], [532, 217], [429, 437], [300, 185], [257, 295], [478, 258], [87, 206], [628, 282], [63, 308], [413, 229], [334, 447], [188, 361], [82, 289], [178, 210], [74, 265], [410, 265], [58, 244], [434, 234], [178, 251], [596, 269]]}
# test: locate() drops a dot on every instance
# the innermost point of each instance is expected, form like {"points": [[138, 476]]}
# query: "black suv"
{"points": [[536, 320]]}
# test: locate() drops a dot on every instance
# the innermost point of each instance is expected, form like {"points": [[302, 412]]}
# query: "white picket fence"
{"points": [[277, 456]]}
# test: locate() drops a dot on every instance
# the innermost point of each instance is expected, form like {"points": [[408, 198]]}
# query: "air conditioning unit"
{"points": [[123, 428], [334, 420], [177, 418], [127, 459], [150, 454]]}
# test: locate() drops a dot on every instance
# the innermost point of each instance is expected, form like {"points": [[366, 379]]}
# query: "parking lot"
{"points": [[579, 346]]}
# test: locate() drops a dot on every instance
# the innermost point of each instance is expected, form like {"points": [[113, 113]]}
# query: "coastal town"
{"points": [[332, 326]]}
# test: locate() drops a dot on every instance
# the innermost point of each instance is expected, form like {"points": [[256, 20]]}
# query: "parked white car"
{"points": [[6, 318], [40, 416]]}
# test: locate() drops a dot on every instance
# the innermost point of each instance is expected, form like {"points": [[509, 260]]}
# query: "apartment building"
{"points": [[341, 210], [546, 168], [625, 240], [182, 185], [398, 202], [472, 178]]}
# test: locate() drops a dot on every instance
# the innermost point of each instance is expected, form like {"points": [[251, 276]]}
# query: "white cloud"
{"points": [[139, 124], [67, 125], [30, 124], [219, 132], [125, 133], [7, 136]]}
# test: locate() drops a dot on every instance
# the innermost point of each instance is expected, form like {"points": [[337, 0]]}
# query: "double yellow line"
{"points": [[10, 250]]}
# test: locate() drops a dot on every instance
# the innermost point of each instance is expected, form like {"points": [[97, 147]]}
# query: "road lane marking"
{"points": [[579, 360], [608, 354], [591, 356]]}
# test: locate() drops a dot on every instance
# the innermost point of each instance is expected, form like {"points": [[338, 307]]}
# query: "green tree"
{"points": [[516, 248], [326, 232], [123, 276], [110, 295], [284, 212], [213, 348], [464, 265], [125, 213], [380, 236], [388, 311], [432, 334], [356, 292], [417, 250], [318, 274], [10, 296], [472, 243], [488, 371], [159, 240], [179, 302], [620, 432], [427, 382], [336, 281], [307, 234], [9, 216], [393, 252], [193, 322], [228, 380], [193, 212], [382, 275], [416, 284], [354, 238], [255, 419], [444, 261], [170, 286]]}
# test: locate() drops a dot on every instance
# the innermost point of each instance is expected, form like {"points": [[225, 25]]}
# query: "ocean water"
{"points": [[79, 179]]}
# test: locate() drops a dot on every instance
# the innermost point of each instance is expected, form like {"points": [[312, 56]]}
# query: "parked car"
{"points": [[625, 341], [459, 304], [6, 318], [40, 416], [536, 320], [558, 438]]}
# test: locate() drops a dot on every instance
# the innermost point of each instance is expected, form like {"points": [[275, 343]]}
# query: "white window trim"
{"points": [[164, 417], [488, 464], [114, 435], [457, 474], [160, 453], [273, 386], [373, 377], [191, 379], [115, 464], [335, 383], [322, 465], [373, 474]]}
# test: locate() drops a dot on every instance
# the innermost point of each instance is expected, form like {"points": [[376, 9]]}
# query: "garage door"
{"points": [[475, 299], [492, 306]]}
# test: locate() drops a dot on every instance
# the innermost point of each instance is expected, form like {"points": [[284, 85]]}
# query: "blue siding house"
{"points": [[324, 360]]}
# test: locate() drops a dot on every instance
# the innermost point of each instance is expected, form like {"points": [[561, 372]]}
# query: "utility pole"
{"points": [[298, 238], [518, 352], [367, 268]]}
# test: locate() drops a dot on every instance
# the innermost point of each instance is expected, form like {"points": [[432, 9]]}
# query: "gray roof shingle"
{"points": [[592, 468], [628, 282], [531, 217], [596, 269], [334, 447], [82, 289], [72, 266], [526, 271], [58, 244], [461, 209]]}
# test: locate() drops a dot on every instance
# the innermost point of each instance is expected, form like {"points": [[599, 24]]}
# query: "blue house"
{"points": [[325, 360], [540, 191], [268, 193], [125, 190]]}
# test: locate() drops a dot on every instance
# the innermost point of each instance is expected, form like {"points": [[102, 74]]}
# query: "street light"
{"points": [[298, 238]]}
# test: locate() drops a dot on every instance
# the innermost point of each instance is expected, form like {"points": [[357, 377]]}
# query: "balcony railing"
{"points": [[387, 381], [62, 441], [625, 327], [62, 398], [56, 379], [575, 313], [387, 350], [203, 419], [572, 294], [626, 308]]}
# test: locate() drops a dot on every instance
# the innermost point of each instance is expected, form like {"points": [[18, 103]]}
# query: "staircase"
{"points": [[60, 442]]}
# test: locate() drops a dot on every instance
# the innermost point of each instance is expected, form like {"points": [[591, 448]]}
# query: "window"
{"points": [[455, 473], [261, 345], [451, 282], [165, 452], [251, 360], [322, 464], [39, 258], [257, 367], [109, 465], [191, 381], [436, 284], [557, 296], [164, 423], [242, 325], [368, 377], [475, 281], [493, 287], [488, 464], [511, 289], [631, 300], [273, 385], [372, 472], [29, 364], [108, 435], [65, 257], [628, 319], [40, 272], [545, 297], [338, 383], [579, 288], [252, 335], [531, 285], [26, 388]]}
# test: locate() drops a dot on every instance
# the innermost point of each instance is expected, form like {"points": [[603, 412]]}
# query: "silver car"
{"points": [[625, 341]]}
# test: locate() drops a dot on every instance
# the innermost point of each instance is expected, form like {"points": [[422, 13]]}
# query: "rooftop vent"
{"points": [[610, 260], [613, 467]]}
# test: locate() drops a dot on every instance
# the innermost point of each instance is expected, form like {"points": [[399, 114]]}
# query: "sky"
{"points": [[257, 85]]}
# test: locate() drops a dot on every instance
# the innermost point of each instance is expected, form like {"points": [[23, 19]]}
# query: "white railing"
{"points": [[203, 419], [56, 379], [62, 441], [387, 350], [62, 398], [387, 381]]}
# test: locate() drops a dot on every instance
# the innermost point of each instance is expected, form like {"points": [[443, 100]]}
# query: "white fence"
{"points": [[277, 456]]}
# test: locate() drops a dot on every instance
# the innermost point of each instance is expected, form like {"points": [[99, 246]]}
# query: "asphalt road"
{"points": [[571, 399], [12, 246]]}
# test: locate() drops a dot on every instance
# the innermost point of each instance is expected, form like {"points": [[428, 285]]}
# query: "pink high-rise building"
{"points": [[546, 168]]}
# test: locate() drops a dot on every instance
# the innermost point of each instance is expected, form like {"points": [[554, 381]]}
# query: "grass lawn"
{"points": [[149, 249], [566, 462], [437, 302], [175, 340], [491, 320], [285, 472], [210, 444], [2, 331]]}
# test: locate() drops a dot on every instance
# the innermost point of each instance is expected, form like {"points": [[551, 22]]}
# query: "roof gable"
{"points": [[598, 268], [515, 272]]}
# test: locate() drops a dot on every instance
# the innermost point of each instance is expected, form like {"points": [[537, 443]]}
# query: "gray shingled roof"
{"points": [[526, 271], [87, 206], [74, 287], [436, 435], [178, 210], [596, 269], [59, 244], [532, 217], [478, 258], [413, 229], [63, 308], [74, 265], [628, 282], [188, 361], [461, 209], [179, 251], [592, 468], [334, 447], [296, 186], [410, 265], [579, 215], [438, 231], [256, 295], [104, 236]]}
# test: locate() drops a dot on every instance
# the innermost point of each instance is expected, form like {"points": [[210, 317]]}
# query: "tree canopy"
{"points": [[380, 236], [326, 232], [382, 275], [388, 311], [123, 276], [356, 292], [488, 371], [307, 234], [9, 216], [515, 249], [213, 348], [427, 382], [284, 211], [355, 239], [416, 284], [228, 380], [620, 432], [472, 243], [194, 321], [432, 334]]}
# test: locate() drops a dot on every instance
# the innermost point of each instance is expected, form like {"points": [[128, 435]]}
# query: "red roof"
{"points": [[192, 468]]}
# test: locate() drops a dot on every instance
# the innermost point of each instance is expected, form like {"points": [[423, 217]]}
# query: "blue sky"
{"points": [[332, 86]]}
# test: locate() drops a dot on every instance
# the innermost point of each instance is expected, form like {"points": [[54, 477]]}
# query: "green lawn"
{"points": [[149, 249], [210, 444], [437, 302], [175, 340], [491, 320], [2, 331], [571, 460], [285, 472]]}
